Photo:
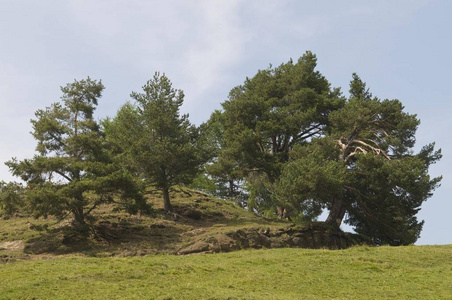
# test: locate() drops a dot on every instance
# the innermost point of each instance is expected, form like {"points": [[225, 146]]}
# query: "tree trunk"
{"points": [[336, 214], [78, 211], [282, 212], [79, 216], [79, 222], [231, 189], [166, 200]]}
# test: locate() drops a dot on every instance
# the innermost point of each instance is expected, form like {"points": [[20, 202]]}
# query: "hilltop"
{"points": [[198, 224]]}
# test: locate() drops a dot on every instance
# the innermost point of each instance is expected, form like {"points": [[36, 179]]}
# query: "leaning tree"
{"points": [[364, 170]]}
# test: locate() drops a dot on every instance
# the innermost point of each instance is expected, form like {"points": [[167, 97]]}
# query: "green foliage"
{"points": [[285, 144], [387, 195], [204, 183], [364, 168], [11, 198], [155, 140], [302, 148], [275, 110], [311, 179], [120, 133], [73, 171], [368, 124], [260, 201], [223, 170], [271, 113]]}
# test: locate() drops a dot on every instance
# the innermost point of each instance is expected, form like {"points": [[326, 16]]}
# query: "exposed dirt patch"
{"points": [[13, 245]]}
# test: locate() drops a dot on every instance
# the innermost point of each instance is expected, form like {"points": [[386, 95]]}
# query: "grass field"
{"points": [[413, 272], [128, 257]]}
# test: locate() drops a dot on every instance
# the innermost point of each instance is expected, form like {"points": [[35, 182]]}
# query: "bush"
{"points": [[11, 198]]}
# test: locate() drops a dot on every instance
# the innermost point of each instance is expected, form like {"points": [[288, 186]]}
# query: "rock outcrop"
{"points": [[314, 238]]}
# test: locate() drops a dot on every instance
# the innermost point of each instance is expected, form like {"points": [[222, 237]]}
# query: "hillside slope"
{"points": [[200, 223]]}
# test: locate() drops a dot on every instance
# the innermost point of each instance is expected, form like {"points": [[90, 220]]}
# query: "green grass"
{"points": [[18, 229], [414, 272], [41, 259]]}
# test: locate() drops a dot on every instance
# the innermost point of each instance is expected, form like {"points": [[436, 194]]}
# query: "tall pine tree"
{"points": [[159, 144]]}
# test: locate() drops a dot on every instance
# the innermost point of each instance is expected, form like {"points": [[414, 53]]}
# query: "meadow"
{"points": [[134, 257], [361, 272]]}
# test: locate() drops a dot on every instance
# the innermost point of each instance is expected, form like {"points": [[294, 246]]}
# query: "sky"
{"points": [[402, 49]]}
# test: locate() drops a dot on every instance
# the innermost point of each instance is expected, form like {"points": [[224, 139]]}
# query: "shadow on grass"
{"points": [[106, 239]]}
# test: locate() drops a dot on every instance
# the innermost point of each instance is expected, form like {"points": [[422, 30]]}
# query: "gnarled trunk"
{"points": [[79, 216], [282, 213], [79, 221], [337, 213], [77, 210]]}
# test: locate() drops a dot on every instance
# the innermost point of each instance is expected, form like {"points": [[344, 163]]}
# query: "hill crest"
{"points": [[198, 224]]}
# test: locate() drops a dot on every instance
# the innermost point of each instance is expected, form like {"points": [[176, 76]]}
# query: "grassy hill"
{"points": [[413, 272], [42, 259], [200, 223]]}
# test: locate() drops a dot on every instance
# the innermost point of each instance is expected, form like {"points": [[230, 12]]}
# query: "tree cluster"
{"points": [[297, 147], [286, 144]]}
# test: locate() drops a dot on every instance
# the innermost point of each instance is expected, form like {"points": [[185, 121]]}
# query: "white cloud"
{"points": [[194, 42], [216, 46]]}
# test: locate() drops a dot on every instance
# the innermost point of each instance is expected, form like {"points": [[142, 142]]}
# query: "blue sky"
{"points": [[402, 49]]}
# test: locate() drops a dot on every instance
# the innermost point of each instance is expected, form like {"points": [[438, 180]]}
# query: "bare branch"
{"points": [[357, 149], [372, 141], [342, 145], [377, 151]]}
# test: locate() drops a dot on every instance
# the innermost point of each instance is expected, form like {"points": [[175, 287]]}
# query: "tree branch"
{"points": [[96, 203], [377, 151], [311, 134], [357, 149], [63, 175], [301, 135]]}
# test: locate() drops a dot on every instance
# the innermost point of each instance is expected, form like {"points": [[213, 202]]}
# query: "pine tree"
{"points": [[271, 113], [73, 172], [160, 144], [364, 169], [11, 198]]}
